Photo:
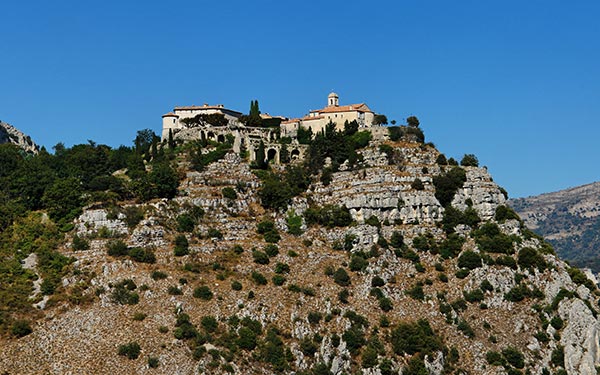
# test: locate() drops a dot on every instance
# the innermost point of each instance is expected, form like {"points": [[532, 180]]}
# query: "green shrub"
{"points": [[236, 285], [473, 296], [451, 246], [142, 255], [490, 239], [278, 280], [507, 261], [377, 281], [130, 350], [329, 216], [557, 322], [203, 292], [283, 268], [397, 240], [373, 221], [237, 249], [308, 347], [185, 222], [153, 362], [229, 193], [470, 260], [271, 250], [272, 237], [20, 328], [117, 248], [417, 184], [214, 233], [504, 213], [462, 273], [294, 223], [80, 243], [465, 328], [340, 277], [414, 337], [247, 338], [416, 292], [260, 257], [181, 246], [209, 323], [558, 356], [514, 357], [174, 291], [123, 293], [385, 304], [139, 316], [265, 226], [158, 275], [469, 160], [314, 317], [343, 295], [441, 160], [486, 286], [448, 183], [358, 263], [259, 278], [518, 293], [495, 358]]}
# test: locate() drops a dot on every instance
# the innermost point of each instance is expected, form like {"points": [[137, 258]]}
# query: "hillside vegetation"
{"points": [[372, 256], [569, 220]]}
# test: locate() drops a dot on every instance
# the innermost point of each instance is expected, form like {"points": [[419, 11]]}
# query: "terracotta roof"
{"points": [[195, 107], [291, 121], [361, 107], [170, 114], [309, 118]]}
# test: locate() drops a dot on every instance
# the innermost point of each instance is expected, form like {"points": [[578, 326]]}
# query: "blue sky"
{"points": [[515, 82]]}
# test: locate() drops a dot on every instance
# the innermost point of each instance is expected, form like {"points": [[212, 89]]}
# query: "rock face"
{"points": [[10, 134], [569, 219], [325, 298]]}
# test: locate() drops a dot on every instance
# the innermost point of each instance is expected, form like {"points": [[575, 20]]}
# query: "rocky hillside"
{"points": [[398, 264], [569, 219], [10, 134]]}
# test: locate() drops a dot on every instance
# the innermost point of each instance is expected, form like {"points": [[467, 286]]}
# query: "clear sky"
{"points": [[515, 82]]}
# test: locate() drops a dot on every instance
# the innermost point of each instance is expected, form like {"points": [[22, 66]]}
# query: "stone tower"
{"points": [[333, 100]]}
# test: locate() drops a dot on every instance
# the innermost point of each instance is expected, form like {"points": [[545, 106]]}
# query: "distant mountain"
{"points": [[10, 134], [569, 219]]}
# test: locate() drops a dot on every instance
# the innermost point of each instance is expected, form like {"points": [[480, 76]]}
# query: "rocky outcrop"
{"points": [[10, 134]]}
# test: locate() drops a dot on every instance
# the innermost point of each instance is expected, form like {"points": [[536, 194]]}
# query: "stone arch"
{"points": [[211, 136], [221, 138], [272, 154], [295, 154]]}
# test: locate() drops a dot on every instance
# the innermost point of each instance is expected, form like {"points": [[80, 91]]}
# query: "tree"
{"points": [[380, 120], [164, 180], [63, 199], [350, 127], [469, 160], [143, 141], [413, 121], [171, 142], [260, 156]]}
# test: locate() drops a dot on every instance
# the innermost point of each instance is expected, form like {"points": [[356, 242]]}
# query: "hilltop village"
{"points": [[217, 123]]}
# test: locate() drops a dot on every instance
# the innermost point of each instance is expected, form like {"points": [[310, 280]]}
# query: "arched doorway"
{"points": [[295, 154], [271, 154], [221, 138]]}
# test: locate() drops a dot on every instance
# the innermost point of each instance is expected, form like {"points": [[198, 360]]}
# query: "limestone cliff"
{"points": [[399, 287]]}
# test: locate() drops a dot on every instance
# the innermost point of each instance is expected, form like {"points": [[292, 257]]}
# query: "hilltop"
{"points": [[375, 255], [569, 219], [10, 134]]}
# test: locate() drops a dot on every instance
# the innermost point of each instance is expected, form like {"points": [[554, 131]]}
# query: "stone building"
{"points": [[249, 138], [316, 120]]}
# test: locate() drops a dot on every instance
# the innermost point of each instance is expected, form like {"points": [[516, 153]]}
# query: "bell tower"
{"points": [[333, 100]]}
